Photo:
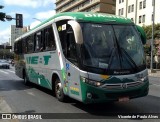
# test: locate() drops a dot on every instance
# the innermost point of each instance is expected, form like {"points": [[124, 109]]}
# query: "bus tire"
{"points": [[25, 79], [59, 91]]}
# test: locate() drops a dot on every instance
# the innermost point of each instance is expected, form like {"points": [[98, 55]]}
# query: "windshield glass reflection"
{"points": [[112, 46]]}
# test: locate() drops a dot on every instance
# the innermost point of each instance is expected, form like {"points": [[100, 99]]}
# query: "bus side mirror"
{"points": [[142, 34]]}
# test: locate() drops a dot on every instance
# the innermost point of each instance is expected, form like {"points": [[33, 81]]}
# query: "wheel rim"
{"points": [[58, 90]]}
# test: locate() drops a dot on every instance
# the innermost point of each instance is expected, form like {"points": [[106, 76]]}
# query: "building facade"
{"points": [[140, 11], [103, 6], [15, 33]]}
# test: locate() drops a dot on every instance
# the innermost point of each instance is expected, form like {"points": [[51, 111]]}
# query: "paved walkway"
{"points": [[155, 74]]}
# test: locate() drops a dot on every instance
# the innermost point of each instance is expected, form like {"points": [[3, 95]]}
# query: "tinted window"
{"points": [[30, 44], [67, 39], [49, 39], [71, 46], [38, 42], [18, 47]]}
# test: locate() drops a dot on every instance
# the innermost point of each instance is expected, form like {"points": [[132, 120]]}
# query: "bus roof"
{"points": [[95, 17], [90, 16], [87, 16]]}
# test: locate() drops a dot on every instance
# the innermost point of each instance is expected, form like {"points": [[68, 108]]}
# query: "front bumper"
{"points": [[98, 95]]}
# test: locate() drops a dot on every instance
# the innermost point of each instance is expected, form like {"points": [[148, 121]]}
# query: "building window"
{"points": [[140, 19], [144, 4], [129, 9], [121, 1], [143, 19], [140, 5], [119, 13], [122, 11], [132, 8]]}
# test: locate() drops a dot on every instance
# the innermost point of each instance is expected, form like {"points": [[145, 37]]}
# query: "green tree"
{"points": [[2, 15], [6, 54], [148, 31]]}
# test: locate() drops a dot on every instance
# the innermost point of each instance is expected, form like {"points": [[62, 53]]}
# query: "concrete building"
{"points": [[104, 6], [140, 11], [15, 33]]}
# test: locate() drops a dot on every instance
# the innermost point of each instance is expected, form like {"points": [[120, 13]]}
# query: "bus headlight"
{"points": [[91, 82], [144, 79]]}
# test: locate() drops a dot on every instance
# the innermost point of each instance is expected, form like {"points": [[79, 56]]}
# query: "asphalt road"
{"points": [[15, 97]]}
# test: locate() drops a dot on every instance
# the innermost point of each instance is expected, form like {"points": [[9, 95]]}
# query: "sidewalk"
{"points": [[156, 74]]}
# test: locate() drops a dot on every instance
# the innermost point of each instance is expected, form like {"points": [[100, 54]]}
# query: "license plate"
{"points": [[123, 99]]}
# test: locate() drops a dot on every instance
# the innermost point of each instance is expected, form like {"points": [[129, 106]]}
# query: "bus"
{"points": [[90, 57]]}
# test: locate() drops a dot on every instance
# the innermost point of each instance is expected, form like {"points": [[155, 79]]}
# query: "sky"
{"points": [[39, 9]]}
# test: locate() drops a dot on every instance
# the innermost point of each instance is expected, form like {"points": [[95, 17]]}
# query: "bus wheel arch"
{"points": [[57, 88], [54, 77]]}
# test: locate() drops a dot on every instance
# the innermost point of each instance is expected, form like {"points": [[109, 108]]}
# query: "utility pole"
{"points": [[153, 19]]}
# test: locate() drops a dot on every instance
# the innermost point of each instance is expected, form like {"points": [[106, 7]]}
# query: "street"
{"points": [[15, 97]]}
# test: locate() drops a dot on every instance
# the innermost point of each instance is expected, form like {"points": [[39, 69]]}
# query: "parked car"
{"points": [[4, 64], [9, 61]]}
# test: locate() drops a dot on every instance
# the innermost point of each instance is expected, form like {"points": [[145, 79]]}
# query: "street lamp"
{"points": [[37, 19], [153, 17]]}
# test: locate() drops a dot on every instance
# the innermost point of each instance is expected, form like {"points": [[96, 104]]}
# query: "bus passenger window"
{"points": [[24, 46], [30, 44], [49, 39], [38, 40]]}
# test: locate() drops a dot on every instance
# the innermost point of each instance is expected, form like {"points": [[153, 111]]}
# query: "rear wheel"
{"points": [[26, 81], [59, 91]]}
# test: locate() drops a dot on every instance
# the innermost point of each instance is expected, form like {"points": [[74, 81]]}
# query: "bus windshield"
{"points": [[112, 47]]}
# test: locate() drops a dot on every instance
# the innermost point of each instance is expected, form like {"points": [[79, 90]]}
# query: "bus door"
{"points": [[72, 71]]}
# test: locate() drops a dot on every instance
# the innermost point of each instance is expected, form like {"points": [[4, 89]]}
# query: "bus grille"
{"points": [[122, 85]]}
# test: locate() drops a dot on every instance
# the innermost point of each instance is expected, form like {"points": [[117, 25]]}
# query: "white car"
{"points": [[4, 64]]}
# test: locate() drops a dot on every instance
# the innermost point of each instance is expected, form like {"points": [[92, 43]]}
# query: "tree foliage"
{"points": [[148, 31], [6, 54], [2, 15]]}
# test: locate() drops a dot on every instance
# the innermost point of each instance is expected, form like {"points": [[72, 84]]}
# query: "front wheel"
{"points": [[59, 91]]}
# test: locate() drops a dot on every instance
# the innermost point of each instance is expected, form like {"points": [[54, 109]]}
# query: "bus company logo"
{"points": [[105, 15], [38, 59], [124, 85]]}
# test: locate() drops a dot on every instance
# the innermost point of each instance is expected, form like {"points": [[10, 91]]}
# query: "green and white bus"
{"points": [[90, 57]]}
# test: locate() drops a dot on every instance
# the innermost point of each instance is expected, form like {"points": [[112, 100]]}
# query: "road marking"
{"points": [[155, 84], [11, 71], [4, 72], [5, 108], [30, 93]]}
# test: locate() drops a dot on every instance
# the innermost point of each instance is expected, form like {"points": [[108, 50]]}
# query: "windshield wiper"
{"points": [[131, 60], [120, 55], [111, 57]]}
